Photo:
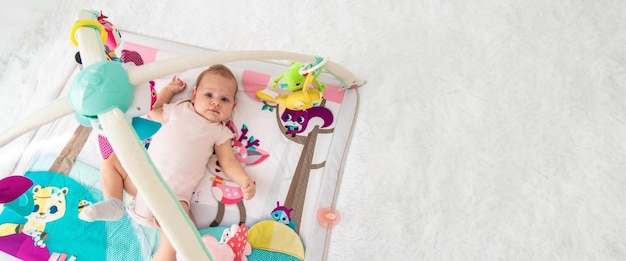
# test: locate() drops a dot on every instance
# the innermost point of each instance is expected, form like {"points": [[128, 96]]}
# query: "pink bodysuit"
{"points": [[180, 151]]}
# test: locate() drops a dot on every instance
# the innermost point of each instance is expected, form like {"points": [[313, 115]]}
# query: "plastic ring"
{"points": [[91, 24], [305, 69]]}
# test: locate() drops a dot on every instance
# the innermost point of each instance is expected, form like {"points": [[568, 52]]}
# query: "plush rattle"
{"points": [[295, 92]]}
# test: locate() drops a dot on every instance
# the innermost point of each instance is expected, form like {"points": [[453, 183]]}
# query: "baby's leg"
{"points": [[114, 180], [166, 250]]}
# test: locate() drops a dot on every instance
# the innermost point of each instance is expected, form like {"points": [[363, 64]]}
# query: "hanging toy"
{"points": [[298, 76], [114, 38], [110, 36], [295, 89]]}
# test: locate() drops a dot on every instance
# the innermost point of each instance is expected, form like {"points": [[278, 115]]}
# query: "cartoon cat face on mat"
{"points": [[49, 204]]}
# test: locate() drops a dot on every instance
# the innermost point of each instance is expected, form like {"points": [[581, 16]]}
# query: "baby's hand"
{"points": [[249, 189], [176, 85]]}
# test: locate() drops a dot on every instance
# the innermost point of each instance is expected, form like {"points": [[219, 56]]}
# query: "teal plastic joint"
{"points": [[99, 88]]}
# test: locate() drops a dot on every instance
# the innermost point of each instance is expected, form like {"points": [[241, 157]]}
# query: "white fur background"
{"points": [[487, 130]]}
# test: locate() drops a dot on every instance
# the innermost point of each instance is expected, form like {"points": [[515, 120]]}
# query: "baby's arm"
{"points": [[233, 169], [165, 95]]}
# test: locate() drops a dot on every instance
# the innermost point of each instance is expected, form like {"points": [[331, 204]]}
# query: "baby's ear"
{"points": [[193, 94]]}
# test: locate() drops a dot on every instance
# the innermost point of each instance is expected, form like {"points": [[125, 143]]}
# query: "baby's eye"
{"points": [[224, 99], [208, 94]]}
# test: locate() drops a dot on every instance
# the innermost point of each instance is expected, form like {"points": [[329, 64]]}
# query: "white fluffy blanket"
{"points": [[487, 130]]}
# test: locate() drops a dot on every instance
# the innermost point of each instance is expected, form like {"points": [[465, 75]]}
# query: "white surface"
{"points": [[487, 130]]}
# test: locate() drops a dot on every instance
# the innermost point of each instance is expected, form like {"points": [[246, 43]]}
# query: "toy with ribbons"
{"points": [[296, 91]]}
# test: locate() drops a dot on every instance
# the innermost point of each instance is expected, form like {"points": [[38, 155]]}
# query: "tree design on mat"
{"points": [[65, 161], [293, 124]]}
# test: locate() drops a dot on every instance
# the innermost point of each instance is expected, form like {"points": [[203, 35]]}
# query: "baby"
{"points": [[192, 130]]}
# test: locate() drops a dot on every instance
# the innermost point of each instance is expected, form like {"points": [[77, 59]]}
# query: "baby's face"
{"points": [[214, 98]]}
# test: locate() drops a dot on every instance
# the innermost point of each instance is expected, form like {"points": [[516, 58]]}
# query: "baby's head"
{"points": [[215, 92]]}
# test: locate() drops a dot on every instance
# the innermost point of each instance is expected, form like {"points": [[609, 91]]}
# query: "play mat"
{"points": [[295, 156]]}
